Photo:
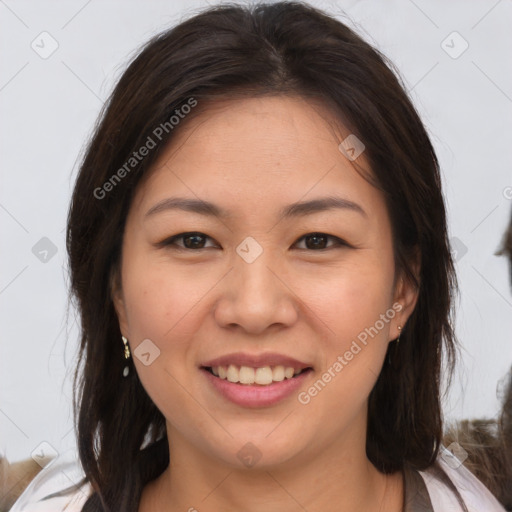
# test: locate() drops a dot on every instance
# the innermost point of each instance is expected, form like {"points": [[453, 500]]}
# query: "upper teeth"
{"points": [[247, 375]]}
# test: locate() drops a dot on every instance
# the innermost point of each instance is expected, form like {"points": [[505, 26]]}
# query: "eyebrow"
{"points": [[299, 209]]}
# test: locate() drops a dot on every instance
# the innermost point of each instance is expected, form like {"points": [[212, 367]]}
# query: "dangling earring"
{"points": [[126, 370], [395, 350]]}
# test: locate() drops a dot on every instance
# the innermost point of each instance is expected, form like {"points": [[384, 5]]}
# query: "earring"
{"points": [[399, 332], [126, 370]]}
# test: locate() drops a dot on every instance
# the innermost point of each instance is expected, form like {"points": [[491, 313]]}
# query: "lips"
{"points": [[260, 369], [257, 361], [242, 390]]}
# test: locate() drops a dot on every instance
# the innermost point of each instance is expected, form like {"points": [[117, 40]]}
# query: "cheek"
{"points": [[160, 298], [357, 308], [165, 304], [160, 307], [351, 306], [353, 298]]}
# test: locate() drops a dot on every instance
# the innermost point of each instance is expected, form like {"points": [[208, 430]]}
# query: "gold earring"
{"points": [[399, 332], [126, 370]]}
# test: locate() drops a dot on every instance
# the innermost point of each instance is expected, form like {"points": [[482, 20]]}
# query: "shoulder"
{"points": [[474, 493], [57, 488]]}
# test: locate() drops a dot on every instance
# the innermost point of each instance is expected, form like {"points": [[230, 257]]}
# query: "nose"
{"points": [[255, 296]]}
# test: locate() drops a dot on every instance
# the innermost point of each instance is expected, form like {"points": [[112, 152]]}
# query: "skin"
{"points": [[253, 157]]}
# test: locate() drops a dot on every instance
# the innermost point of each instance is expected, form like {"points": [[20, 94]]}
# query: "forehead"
{"points": [[270, 126], [258, 151]]}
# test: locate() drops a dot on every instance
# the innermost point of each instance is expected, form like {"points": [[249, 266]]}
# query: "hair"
{"points": [[506, 247], [222, 53]]}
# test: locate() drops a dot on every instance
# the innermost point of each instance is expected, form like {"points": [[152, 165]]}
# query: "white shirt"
{"points": [[60, 474]]}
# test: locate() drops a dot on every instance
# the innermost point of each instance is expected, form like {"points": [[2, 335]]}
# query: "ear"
{"points": [[406, 294], [116, 293]]}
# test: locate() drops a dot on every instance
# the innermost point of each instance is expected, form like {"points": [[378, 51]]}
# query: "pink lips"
{"points": [[256, 360], [255, 395]]}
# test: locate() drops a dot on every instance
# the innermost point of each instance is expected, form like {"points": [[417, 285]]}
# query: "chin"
{"points": [[260, 452]]}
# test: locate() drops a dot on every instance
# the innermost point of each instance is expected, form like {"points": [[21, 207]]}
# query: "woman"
{"points": [[258, 251]]}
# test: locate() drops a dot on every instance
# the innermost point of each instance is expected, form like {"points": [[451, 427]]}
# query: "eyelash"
{"points": [[171, 241]]}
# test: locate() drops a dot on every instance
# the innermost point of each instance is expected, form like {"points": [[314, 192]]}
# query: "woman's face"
{"points": [[253, 291]]}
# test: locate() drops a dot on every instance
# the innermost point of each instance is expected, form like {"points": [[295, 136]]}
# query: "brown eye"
{"points": [[318, 241], [193, 241], [196, 241]]}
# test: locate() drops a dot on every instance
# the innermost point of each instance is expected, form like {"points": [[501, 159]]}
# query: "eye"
{"points": [[191, 240], [195, 241], [318, 241]]}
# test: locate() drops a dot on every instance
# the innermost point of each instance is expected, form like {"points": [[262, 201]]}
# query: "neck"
{"points": [[338, 479]]}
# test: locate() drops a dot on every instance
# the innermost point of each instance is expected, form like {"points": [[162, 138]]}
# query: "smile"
{"points": [[263, 376], [253, 394]]}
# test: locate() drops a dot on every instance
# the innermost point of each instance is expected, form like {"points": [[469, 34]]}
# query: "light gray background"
{"points": [[48, 110]]}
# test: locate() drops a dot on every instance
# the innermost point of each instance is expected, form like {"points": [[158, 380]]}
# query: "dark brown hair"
{"points": [[283, 48]]}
